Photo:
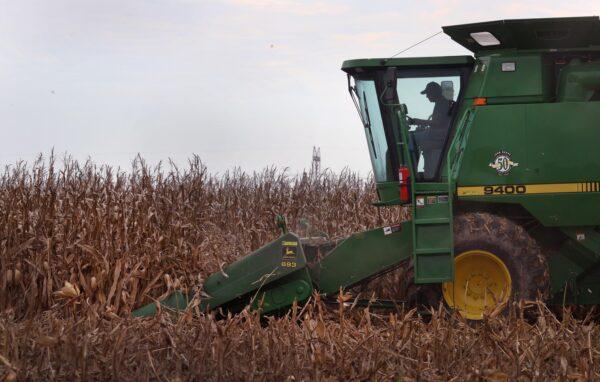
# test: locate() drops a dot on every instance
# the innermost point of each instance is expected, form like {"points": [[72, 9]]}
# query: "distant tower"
{"points": [[316, 160]]}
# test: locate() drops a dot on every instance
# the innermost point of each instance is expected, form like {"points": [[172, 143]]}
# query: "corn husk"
{"points": [[67, 291]]}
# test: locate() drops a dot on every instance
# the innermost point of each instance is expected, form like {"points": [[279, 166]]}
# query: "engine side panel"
{"points": [[543, 156]]}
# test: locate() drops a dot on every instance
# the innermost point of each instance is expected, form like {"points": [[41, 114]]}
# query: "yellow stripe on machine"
{"points": [[520, 189]]}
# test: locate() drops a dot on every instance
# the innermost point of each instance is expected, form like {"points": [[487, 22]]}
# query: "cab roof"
{"points": [[365, 63], [528, 34]]}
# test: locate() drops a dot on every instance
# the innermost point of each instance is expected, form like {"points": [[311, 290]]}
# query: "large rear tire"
{"points": [[496, 262]]}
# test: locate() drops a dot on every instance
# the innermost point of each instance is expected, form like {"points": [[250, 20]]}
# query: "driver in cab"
{"points": [[431, 133]]}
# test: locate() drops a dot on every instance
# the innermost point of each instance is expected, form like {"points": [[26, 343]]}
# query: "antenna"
{"points": [[413, 45]]}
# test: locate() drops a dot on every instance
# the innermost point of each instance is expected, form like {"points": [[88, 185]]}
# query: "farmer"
{"points": [[431, 133]]}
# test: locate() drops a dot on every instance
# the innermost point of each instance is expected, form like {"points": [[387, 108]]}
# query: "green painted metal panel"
{"points": [[586, 237], [432, 219], [552, 210], [273, 261], [578, 81], [494, 128], [430, 188], [272, 278], [575, 268], [587, 293], [477, 79], [388, 193], [175, 302], [563, 142], [362, 255], [434, 268], [525, 80], [281, 293], [529, 82], [553, 144], [588, 287], [366, 63], [434, 236], [567, 265]]}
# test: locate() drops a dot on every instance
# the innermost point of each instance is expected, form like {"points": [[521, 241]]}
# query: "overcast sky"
{"points": [[246, 83]]}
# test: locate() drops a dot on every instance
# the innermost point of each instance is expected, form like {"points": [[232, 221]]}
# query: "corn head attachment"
{"points": [[292, 268]]}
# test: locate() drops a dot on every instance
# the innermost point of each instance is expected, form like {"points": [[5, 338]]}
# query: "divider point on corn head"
{"points": [[497, 153]]}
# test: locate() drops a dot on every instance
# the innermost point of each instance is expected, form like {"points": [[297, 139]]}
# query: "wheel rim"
{"points": [[481, 283]]}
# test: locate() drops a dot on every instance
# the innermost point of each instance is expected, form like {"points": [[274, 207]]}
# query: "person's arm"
{"points": [[419, 122]]}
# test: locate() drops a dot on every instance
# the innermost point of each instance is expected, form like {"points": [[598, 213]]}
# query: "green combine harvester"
{"points": [[497, 153]]}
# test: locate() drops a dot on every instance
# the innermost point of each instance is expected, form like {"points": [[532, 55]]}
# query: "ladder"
{"points": [[433, 236], [433, 249]]}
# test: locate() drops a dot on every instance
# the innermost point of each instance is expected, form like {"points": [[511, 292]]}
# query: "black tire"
{"points": [[513, 245], [507, 240]]}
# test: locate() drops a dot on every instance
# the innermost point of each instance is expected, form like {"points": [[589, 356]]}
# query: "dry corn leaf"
{"points": [[67, 291], [191, 224]]}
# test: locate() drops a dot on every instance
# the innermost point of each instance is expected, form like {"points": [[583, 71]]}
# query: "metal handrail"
{"points": [[458, 144]]}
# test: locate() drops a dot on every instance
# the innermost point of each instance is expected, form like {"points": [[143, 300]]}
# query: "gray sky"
{"points": [[245, 83]]}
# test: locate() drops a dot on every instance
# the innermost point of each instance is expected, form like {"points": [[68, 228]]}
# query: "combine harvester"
{"points": [[499, 157]]}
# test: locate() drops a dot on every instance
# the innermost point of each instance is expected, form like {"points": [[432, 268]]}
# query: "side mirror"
{"points": [[389, 95]]}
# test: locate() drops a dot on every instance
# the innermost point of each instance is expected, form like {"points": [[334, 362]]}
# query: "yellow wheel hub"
{"points": [[481, 282]]}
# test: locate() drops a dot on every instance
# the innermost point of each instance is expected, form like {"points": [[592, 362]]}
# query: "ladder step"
{"points": [[432, 221], [429, 251]]}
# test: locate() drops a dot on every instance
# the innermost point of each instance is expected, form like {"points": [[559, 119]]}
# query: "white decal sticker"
{"points": [[503, 163], [391, 229]]}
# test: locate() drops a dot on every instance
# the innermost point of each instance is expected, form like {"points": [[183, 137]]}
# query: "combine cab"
{"points": [[497, 155]]}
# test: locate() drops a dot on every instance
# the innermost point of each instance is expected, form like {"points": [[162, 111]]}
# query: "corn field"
{"points": [[83, 245]]}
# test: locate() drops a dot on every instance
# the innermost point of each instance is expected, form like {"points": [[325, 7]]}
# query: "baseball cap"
{"points": [[432, 87]]}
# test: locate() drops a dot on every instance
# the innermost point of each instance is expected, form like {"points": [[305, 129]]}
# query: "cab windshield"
{"points": [[430, 97], [374, 130]]}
